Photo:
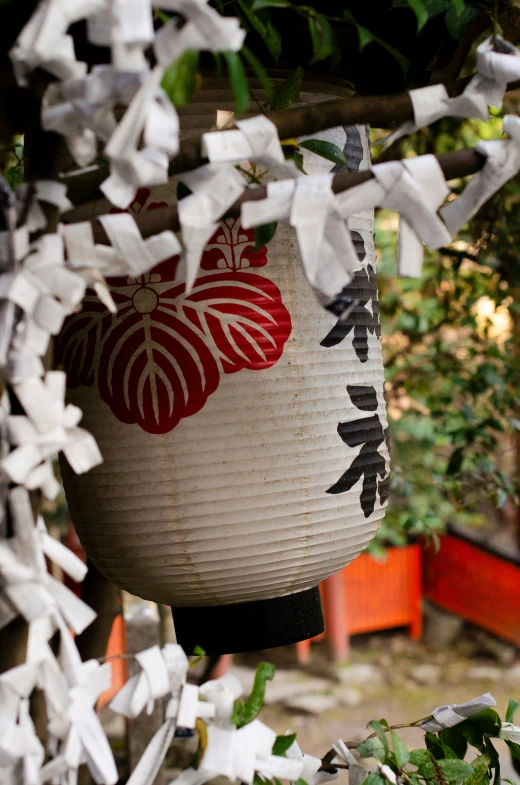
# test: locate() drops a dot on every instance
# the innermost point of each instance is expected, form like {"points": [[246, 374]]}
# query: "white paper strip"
{"points": [[452, 714]]}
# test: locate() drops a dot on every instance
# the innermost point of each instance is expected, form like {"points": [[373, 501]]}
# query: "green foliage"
{"points": [[263, 234], [181, 79], [238, 80], [480, 768], [372, 748], [282, 743], [263, 26], [512, 706], [248, 711], [326, 150], [288, 91], [451, 363]]}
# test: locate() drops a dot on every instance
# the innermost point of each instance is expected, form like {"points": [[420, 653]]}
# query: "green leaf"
{"points": [[515, 749], [401, 752], [381, 735], [265, 29], [434, 745], [453, 739], [198, 651], [323, 37], [451, 770], [457, 21], [288, 91], [473, 734], [436, 7], [480, 768], [282, 744], [455, 461], [494, 760], [181, 79], [374, 779], [263, 234], [326, 150], [420, 758], [298, 160], [258, 4], [253, 705], [164, 17], [420, 10], [372, 748], [364, 35], [260, 71], [488, 721], [454, 769], [238, 81], [512, 706]]}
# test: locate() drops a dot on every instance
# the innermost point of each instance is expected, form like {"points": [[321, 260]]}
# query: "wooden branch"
{"points": [[457, 164], [377, 111]]}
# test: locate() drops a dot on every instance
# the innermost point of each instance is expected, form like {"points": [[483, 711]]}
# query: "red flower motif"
{"points": [[161, 356], [231, 248]]}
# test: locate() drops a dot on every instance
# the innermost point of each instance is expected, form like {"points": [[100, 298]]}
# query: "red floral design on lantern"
{"points": [[162, 355]]}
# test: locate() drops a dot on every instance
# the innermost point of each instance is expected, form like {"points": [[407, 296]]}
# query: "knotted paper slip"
{"points": [[498, 63]]}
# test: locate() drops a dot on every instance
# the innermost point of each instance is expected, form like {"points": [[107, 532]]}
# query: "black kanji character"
{"points": [[362, 288], [352, 150], [369, 464]]}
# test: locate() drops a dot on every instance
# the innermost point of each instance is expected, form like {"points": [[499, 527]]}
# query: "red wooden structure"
{"points": [[479, 585], [370, 595]]}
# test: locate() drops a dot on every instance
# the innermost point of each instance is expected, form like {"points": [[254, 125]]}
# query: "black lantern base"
{"points": [[250, 626]]}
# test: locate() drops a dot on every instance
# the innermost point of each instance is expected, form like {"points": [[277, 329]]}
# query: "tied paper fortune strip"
{"points": [[255, 140], [415, 188], [152, 114], [502, 163], [326, 249], [204, 29], [215, 187], [453, 713], [498, 62]]}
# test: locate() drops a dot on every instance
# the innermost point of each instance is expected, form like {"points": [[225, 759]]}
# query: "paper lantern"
{"points": [[243, 430]]}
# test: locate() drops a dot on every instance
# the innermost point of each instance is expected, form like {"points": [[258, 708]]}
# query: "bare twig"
{"points": [[456, 164], [378, 111]]}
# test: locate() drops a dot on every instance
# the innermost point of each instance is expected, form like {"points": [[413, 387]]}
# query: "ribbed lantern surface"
{"points": [[242, 429]]}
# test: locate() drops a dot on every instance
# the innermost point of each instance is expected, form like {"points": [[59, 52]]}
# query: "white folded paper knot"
{"points": [[43, 42], [82, 110], [216, 187], [326, 249], [152, 115], [49, 426], [204, 28], [255, 140], [129, 254], [46, 292], [415, 188], [24, 571], [510, 732], [502, 163], [453, 713], [498, 62]]}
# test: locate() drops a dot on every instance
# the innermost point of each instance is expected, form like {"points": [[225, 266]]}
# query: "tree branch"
{"points": [[377, 111], [456, 164]]}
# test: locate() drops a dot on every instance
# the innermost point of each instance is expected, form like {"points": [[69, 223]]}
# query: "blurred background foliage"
{"points": [[452, 353]]}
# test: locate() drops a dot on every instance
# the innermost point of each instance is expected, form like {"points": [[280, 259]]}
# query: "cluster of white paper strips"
{"points": [[43, 281]]}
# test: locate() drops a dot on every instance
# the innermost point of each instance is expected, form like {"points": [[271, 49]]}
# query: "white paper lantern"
{"points": [[242, 430]]}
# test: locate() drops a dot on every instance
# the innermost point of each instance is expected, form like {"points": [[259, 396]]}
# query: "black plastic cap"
{"points": [[250, 626]]}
